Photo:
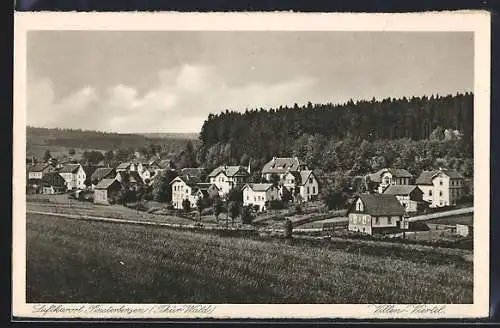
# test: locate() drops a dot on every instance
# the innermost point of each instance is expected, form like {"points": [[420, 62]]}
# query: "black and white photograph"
{"points": [[191, 169]]}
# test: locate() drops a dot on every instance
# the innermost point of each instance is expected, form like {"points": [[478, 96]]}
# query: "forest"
{"points": [[355, 137]]}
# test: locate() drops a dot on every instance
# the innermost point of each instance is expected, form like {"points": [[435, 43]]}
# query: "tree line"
{"points": [[237, 137]]}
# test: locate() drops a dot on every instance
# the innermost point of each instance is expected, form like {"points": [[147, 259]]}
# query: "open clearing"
{"points": [[83, 261]]}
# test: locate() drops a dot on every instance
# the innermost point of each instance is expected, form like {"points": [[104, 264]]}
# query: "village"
{"points": [[394, 202]]}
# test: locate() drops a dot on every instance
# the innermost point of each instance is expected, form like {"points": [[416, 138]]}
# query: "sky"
{"points": [[169, 81]]}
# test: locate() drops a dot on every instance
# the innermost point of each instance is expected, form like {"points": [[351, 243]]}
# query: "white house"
{"points": [[441, 187], [74, 175], [191, 190], [389, 176], [281, 166], [259, 194], [303, 183], [228, 177]]}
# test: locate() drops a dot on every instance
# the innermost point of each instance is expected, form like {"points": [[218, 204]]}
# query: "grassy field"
{"points": [[82, 261]]}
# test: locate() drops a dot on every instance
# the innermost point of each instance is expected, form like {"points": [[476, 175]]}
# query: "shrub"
{"points": [[276, 204], [207, 211], [298, 209]]}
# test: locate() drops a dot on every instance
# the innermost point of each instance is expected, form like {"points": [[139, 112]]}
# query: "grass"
{"points": [[467, 219], [82, 261]]}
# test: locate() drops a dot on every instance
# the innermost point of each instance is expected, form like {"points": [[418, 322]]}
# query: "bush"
{"points": [[298, 209], [207, 211], [276, 205]]}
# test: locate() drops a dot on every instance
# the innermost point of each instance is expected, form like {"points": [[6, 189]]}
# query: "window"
{"points": [[364, 220], [430, 192], [307, 189], [248, 197], [314, 190], [440, 193], [440, 182], [310, 180], [376, 220]]}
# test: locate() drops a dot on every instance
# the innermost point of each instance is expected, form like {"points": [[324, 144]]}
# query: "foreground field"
{"points": [[81, 261]]}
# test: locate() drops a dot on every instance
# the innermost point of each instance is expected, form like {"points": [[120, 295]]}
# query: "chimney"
{"points": [[274, 158], [249, 172], [225, 167]]}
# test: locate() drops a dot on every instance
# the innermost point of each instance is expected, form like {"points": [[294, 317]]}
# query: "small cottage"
{"points": [[105, 190]]}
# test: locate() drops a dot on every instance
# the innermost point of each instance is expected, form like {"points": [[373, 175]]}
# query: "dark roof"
{"points": [[425, 178], [205, 185], [380, 204], [101, 173], [53, 179], [258, 186], [398, 173], [400, 189], [39, 167], [281, 164], [230, 171], [69, 168], [105, 183]]}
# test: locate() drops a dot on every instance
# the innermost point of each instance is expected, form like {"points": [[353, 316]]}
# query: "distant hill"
{"points": [[190, 136], [61, 140]]}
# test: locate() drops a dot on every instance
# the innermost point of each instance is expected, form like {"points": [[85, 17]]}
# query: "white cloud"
{"points": [[179, 102]]}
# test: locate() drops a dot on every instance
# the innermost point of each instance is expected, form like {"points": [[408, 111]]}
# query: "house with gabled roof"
{"points": [[228, 177], [302, 185], [410, 196], [281, 166], [190, 189], [259, 194], [376, 213], [53, 183], [102, 173], [105, 190], [390, 176], [441, 187], [74, 176]]}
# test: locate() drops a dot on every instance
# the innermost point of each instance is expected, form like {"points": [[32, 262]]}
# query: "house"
{"points": [[37, 171], [408, 195], [228, 177], [441, 187], [259, 194], [390, 176], [302, 185], [102, 173], [74, 176], [376, 213], [190, 189], [281, 166], [53, 183], [105, 190], [35, 174]]}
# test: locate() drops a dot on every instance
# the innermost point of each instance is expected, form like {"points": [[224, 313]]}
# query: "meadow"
{"points": [[84, 261]]}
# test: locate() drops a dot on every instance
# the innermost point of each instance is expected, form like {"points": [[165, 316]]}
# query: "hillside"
{"points": [[59, 141]]}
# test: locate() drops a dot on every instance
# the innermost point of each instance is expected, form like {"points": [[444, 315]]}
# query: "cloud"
{"points": [[180, 101]]}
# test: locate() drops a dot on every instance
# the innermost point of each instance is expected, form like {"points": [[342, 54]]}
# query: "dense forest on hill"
{"points": [[101, 140], [352, 138]]}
